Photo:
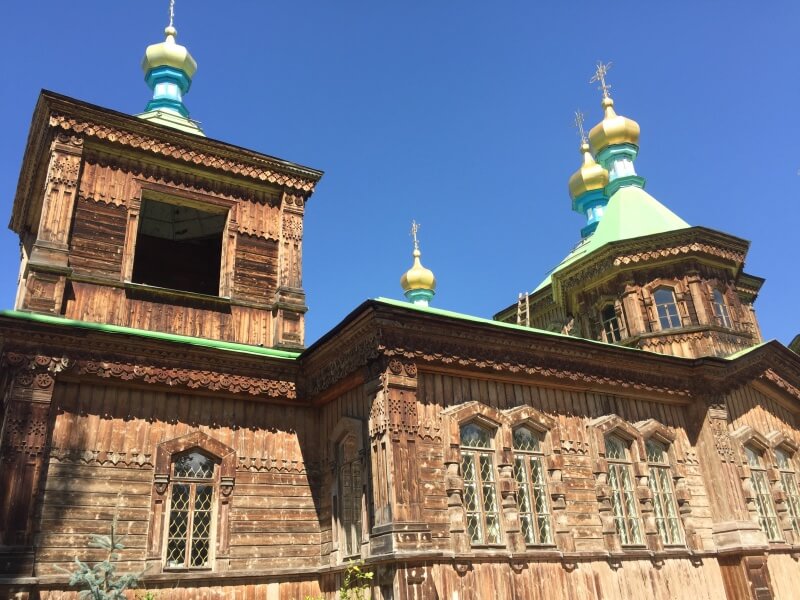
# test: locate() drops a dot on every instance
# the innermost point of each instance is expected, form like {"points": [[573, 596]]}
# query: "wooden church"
{"points": [[620, 432]]}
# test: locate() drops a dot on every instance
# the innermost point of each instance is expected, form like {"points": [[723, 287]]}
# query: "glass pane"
{"points": [[195, 465], [753, 457], [656, 452], [474, 436], [616, 449], [782, 460], [526, 440]]}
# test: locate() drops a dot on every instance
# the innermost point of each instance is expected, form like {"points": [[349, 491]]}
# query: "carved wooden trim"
{"points": [[258, 169], [224, 478]]}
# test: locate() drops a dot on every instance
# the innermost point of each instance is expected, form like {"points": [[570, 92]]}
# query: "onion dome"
{"points": [[589, 177], [418, 283], [613, 129], [418, 277], [169, 53]]}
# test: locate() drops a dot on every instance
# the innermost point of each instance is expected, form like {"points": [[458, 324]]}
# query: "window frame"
{"points": [[722, 312], [189, 539], [766, 511], [477, 453], [674, 303], [544, 489], [224, 481], [611, 334], [632, 532], [149, 190], [666, 498], [788, 475]]}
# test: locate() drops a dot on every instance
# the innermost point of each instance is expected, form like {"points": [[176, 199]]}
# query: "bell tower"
{"points": [[143, 222]]}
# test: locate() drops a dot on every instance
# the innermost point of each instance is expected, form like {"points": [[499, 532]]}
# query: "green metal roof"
{"points": [[154, 335], [631, 212]]}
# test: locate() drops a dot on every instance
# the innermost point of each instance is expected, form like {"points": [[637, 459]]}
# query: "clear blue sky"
{"points": [[455, 113]]}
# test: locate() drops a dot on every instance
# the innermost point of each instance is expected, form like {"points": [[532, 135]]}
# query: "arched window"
{"points": [[664, 504], [534, 509], [765, 507], [789, 483], [191, 503], [350, 489], [720, 309], [611, 328], [667, 308], [480, 493], [623, 498]]}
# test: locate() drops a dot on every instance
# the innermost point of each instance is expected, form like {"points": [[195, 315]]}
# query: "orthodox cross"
{"points": [[579, 125], [414, 230], [600, 76], [171, 11]]}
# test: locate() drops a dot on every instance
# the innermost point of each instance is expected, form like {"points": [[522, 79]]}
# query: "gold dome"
{"points": [[590, 176], [418, 277], [613, 129], [169, 54]]}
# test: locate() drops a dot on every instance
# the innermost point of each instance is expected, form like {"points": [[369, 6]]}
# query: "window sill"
{"points": [[142, 291]]}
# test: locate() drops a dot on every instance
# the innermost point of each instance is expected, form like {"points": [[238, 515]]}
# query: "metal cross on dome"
{"points": [[600, 76], [171, 12], [579, 118], [414, 229]]}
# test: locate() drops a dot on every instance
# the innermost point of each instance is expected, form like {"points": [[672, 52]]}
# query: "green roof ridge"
{"points": [[631, 212], [155, 335]]}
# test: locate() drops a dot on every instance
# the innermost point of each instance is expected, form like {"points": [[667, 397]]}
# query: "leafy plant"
{"points": [[101, 581], [356, 583]]}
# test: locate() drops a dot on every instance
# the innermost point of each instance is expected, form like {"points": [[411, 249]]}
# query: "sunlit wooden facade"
{"points": [[458, 458]]}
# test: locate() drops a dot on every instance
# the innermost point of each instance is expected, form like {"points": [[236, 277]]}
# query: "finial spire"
{"points": [[579, 119], [414, 229], [600, 76], [171, 13]]}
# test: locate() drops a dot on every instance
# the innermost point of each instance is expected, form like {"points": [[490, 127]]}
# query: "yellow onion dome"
{"points": [[613, 129], [418, 277], [590, 176], [169, 53]]}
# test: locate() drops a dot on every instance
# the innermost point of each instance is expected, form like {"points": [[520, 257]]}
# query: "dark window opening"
{"points": [[179, 247], [611, 324]]}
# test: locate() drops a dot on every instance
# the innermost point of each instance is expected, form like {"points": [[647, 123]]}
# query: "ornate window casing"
{"points": [[665, 504], [611, 322], [785, 463], [785, 451], [533, 503], [193, 481], [621, 481], [721, 312], [666, 307], [349, 480], [758, 480], [480, 484], [669, 523]]}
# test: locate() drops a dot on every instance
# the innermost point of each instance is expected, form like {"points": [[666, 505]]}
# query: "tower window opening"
{"points": [[611, 326], [179, 247], [721, 309], [667, 308]]}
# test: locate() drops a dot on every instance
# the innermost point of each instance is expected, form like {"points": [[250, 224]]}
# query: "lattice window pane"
{"points": [[526, 440], [532, 497], [667, 308], [664, 505], [193, 465], [623, 499], [480, 493], [474, 436]]}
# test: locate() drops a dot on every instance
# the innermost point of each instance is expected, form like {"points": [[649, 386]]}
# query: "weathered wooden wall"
{"points": [[102, 460], [572, 410]]}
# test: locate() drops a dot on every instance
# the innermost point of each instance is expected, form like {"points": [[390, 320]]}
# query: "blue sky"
{"points": [[457, 114]]}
